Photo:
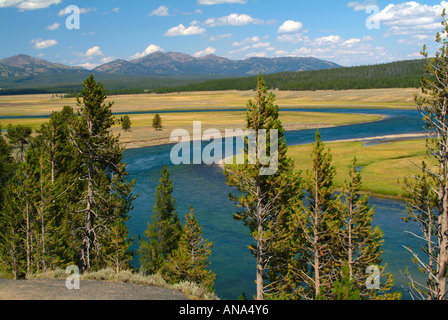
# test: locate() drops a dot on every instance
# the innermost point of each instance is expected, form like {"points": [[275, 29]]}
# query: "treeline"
{"points": [[402, 74]]}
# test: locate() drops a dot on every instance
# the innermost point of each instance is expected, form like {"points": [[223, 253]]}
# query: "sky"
{"points": [[89, 33]]}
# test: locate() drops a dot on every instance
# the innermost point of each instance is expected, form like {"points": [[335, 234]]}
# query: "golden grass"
{"points": [[383, 166], [44, 104]]}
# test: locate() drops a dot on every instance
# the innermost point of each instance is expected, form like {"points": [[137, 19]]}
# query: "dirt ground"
{"points": [[55, 289]]}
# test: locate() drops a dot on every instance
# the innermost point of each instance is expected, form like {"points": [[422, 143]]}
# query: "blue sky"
{"points": [[343, 31]]}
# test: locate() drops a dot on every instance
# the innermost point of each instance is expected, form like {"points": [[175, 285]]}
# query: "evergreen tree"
{"points": [[345, 288], [102, 201], [316, 221], [19, 139], [163, 234], [157, 122], [433, 105], [421, 204], [6, 165], [264, 198], [189, 262], [359, 240], [126, 123]]}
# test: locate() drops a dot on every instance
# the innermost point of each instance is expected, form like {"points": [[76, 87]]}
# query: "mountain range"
{"points": [[165, 64]]}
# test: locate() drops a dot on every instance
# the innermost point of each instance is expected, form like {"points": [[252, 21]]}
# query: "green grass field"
{"points": [[383, 166]]}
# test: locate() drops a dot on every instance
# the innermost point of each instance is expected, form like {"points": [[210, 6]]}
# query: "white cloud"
{"points": [[65, 11], [205, 52], [331, 39], [234, 19], [94, 51], [117, 10], [28, 4], [261, 45], [53, 27], [410, 18], [249, 40], [256, 54], [150, 49], [88, 65], [161, 11], [43, 44], [106, 60], [293, 38], [220, 37], [361, 6], [181, 30], [290, 26], [212, 2]]}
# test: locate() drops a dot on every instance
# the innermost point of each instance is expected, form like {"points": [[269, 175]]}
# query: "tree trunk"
{"points": [[260, 249], [316, 238]]}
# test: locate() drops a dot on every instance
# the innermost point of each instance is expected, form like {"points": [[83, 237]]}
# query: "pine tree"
{"points": [[189, 262], [264, 198], [421, 204], [345, 288], [157, 122], [433, 105], [359, 240], [19, 139], [316, 221], [126, 123], [163, 234], [100, 158]]}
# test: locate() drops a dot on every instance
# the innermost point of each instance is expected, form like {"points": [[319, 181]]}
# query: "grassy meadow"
{"points": [[44, 104], [383, 165]]}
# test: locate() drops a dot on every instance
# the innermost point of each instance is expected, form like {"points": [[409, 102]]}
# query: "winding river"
{"points": [[204, 187]]}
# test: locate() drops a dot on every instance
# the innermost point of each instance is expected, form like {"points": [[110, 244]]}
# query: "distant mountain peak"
{"points": [[167, 64], [176, 63], [24, 65]]}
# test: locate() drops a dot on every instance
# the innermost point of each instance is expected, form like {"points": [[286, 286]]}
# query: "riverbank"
{"points": [[142, 135]]}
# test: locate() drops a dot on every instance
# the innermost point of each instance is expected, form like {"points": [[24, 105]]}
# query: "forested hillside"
{"points": [[401, 74]]}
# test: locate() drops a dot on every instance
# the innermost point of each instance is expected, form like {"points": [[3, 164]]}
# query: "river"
{"points": [[204, 187]]}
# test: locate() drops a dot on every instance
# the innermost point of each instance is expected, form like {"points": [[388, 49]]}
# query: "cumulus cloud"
{"points": [[212, 2], [410, 18], [88, 65], [43, 44], [150, 49], [290, 26], [94, 51], [161, 11], [28, 4], [181, 30], [205, 52], [234, 19]]}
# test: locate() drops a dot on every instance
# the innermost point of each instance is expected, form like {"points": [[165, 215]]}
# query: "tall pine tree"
{"points": [[264, 198], [189, 262], [105, 193], [164, 231]]}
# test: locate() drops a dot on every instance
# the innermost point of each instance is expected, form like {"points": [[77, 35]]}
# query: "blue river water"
{"points": [[204, 187]]}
